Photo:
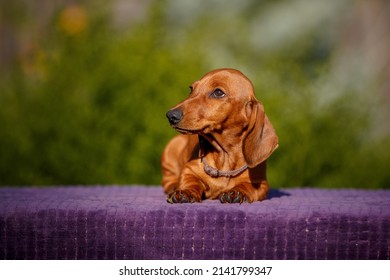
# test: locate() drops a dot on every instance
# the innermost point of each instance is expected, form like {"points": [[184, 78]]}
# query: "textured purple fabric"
{"points": [[133, 222]]}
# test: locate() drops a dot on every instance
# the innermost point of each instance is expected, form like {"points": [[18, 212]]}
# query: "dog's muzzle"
{"points": [[174, 116]]}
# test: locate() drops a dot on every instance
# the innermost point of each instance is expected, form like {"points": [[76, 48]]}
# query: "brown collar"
{"points": [[213, 172]]}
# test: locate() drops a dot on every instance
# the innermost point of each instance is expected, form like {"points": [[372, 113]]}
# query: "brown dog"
{"points": [[225, 141]]}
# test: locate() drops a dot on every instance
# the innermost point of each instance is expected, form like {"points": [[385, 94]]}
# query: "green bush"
{"points": [[329, 145], [90, 109], [97, 116]]}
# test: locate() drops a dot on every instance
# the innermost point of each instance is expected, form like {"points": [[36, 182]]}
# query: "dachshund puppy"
{"points": [[225, 140]]}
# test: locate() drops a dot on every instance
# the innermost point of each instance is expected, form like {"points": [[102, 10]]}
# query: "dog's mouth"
{"points": [[207, 129], [186, 131]]}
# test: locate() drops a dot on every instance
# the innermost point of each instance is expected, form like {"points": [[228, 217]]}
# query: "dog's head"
{"points": [[222, 104]]}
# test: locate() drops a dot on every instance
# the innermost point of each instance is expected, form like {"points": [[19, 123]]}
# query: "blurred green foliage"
{"points": [[89, 106]]}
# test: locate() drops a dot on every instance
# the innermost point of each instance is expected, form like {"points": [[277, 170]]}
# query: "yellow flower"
{"points": [[73, 20]]}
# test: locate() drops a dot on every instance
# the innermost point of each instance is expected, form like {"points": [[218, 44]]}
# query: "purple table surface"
{"points": [[135, 222]]}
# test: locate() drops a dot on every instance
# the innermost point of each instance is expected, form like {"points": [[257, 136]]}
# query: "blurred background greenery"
{"points": [[85, 85]]}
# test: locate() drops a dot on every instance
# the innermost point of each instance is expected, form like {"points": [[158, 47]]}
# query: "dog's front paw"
{"points": [[182, 197], [233, 196]]}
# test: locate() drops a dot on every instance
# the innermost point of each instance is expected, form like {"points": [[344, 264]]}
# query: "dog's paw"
{"points": [[233, 196], [182, 197]]}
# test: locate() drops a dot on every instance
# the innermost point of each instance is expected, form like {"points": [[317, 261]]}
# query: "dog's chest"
{"points": [[215, 186]]}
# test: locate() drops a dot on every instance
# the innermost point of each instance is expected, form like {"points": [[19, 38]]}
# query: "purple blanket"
{"points": [[136, 223]]}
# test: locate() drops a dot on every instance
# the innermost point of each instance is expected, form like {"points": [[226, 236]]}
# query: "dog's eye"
{"points": [[217, 93], [191, 89]]}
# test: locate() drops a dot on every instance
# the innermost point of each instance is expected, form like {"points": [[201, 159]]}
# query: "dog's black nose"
{"points": [[174, 116]]}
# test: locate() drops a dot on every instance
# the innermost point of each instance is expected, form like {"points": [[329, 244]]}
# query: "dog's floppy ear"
{"points": [[261, 139]]}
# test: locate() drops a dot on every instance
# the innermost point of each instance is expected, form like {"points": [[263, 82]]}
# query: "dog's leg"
{"points": [[170, 180], [190, 189], [172, 163], [177, 153], [245, 192], [188, 195]]}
